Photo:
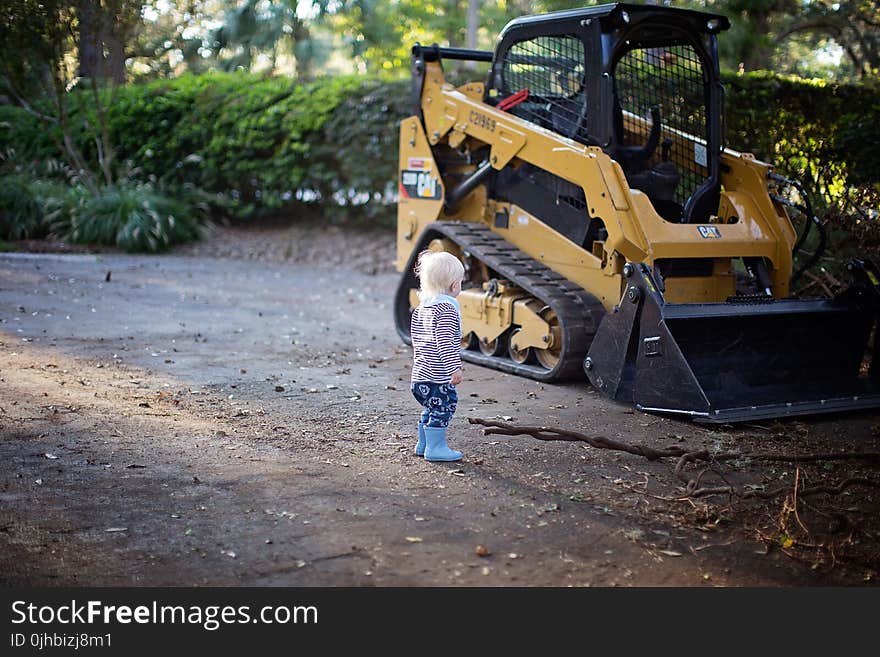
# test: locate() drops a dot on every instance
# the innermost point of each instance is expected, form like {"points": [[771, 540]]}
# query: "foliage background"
{"points": [[260, 145], [244, 108]]}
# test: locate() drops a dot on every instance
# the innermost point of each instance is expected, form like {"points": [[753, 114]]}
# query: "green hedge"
{"points": [[823, 134], [245, 137], [826, 132], [256, 143], [259, 144]]}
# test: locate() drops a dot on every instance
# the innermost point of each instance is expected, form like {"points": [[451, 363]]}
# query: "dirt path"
{"points": [[185, 420]]}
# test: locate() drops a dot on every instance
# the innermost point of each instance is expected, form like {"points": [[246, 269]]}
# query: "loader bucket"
{"points": [[738, 360]]}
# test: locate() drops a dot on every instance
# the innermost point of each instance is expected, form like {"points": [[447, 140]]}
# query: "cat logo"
{"points": [[426, 185], [709, 232], [422, 185]]}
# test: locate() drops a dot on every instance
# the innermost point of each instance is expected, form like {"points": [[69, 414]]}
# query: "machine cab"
{"points": [[639, 81]]}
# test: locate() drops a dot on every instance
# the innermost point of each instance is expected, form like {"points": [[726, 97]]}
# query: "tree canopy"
{"points": [[810, 38]]}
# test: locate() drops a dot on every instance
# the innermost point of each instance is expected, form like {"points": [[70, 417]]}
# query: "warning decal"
{"points": [[421, 184], [418, 163]]}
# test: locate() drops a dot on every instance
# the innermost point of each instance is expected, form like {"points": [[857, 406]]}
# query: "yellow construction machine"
{"points": [[607, 230]]}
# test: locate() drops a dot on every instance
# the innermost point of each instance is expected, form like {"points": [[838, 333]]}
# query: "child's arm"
{"points": [[449, 342]]}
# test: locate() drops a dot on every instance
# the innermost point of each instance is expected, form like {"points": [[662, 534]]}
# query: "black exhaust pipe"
{"points": [[466, 186]]}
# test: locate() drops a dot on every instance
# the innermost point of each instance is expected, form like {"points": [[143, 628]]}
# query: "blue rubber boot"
{"points": [[420, 446], [436, 448]]}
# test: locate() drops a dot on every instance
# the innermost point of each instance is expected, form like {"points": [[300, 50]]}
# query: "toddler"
{"points": [[436, 340]]}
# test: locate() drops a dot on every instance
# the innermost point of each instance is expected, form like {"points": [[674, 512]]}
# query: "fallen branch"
{"points": [[794, 502], [599, 442], [836, 489], [815, 280], [493, 427], [686, 455]]}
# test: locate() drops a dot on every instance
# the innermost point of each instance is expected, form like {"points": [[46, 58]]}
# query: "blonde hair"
{"points": [[437, 272]]}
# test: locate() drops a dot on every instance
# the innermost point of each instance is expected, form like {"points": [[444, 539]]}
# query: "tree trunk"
{"points": [[101, 41], [91, 48], [759, 49], [473, 23], [115, 63], [451, 28]]}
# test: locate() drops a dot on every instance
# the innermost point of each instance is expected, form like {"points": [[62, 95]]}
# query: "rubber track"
{"points": [[578, 312]]}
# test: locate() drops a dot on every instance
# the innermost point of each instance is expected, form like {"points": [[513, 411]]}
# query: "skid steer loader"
{"points": [[606, 229]]}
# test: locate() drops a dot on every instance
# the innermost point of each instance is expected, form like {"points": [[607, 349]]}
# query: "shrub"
{"points": [[354, 155], [24, 134], [822, 132], [131, 217], [21, 216], [240, 136]]}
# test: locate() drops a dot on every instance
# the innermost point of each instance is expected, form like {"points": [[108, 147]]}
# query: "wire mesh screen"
{"points": [[672, 79], [552, 69]]}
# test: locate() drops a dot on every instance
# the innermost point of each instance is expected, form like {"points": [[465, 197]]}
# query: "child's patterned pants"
{"points": [[439, 400]]}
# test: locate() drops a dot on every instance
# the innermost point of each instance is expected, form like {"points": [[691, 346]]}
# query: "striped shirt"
{"points": [[436, 337]]}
